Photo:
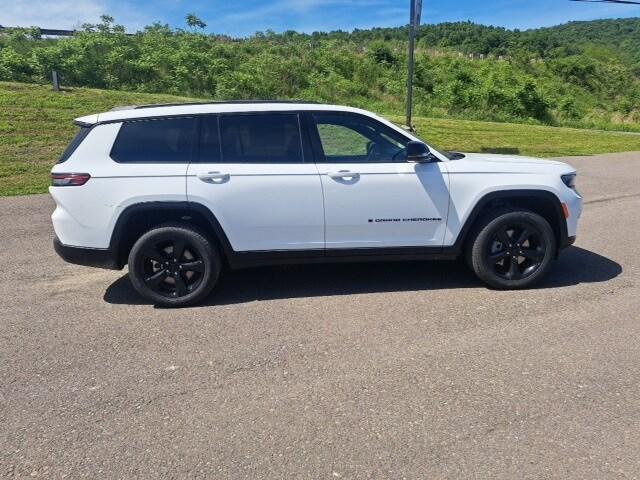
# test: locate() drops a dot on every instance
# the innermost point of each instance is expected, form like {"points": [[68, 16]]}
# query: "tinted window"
{"points": [[210, 140], [74, 144], [357, 139], [261, 138], [155, 141]]}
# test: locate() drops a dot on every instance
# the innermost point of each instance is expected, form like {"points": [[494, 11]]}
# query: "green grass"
{"points": [[534, 140], [36, 125]]}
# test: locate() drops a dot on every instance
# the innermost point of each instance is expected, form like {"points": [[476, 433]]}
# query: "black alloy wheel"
{"points": [[511, 248], [516, 251], [174, 265], [172, 268]]}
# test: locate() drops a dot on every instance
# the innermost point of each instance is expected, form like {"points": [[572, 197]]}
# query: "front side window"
{"points": [[167, 140], [261, 138], [349, 138]]}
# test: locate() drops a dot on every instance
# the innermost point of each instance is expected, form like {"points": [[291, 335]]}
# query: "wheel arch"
{"points": [[139, 218], [542, 202]]}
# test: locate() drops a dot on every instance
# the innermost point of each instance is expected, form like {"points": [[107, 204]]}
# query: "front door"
{"points": [[256, 174], [373, 197]]}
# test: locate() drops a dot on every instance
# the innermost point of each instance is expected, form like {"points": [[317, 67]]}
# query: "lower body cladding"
{"points": [[109, 258]]}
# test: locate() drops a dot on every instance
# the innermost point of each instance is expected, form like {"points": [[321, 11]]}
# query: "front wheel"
{"points": [[512, 249], [174, 265]]}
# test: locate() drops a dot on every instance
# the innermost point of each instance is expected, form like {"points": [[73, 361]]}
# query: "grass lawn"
{"points": [[36, 125], [519, 139]]}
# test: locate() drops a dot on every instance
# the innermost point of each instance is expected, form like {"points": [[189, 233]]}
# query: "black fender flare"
{"points": [[167, 207], [504, 195]]}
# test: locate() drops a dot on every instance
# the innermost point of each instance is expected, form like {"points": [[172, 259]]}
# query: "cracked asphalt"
{"points": [[399, 370]]}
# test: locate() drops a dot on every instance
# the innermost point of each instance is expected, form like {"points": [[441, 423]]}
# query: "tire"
{"points": [[174, 281], [511, 249]]}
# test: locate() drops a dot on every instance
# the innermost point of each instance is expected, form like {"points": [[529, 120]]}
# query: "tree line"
{"points": [[590, 75]]}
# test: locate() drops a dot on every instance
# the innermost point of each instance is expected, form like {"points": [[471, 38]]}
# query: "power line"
{"points": [[629, 2]]}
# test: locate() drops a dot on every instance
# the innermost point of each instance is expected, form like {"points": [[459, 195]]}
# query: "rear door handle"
{"points": [[344, 174], [213, 176]]}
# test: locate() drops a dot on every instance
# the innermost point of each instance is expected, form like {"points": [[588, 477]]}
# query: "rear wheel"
{"points": [[512, 249], [174, 265]]}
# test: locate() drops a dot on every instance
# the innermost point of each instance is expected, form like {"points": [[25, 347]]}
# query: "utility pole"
{"points": [[414, 22], [55, 79]]}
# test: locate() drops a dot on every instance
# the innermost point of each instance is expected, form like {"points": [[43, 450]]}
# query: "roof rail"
{"points": [[231, 102]]}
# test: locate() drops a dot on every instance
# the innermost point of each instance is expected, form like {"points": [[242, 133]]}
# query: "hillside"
{"points": [[36, 125], [582, 74]]}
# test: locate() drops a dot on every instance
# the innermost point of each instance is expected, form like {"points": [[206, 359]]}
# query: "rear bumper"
{"points": [[89, 257]]}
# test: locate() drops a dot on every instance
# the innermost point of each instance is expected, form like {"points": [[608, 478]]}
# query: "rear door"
{"points": [[373, 197], [256, 174]]}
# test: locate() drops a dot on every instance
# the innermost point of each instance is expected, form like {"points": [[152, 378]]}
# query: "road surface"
{"points": [[344, 371]]}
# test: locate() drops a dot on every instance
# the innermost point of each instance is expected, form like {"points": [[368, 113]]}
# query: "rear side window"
{"points": [[75, 143], [167, 140], [261, 138]]}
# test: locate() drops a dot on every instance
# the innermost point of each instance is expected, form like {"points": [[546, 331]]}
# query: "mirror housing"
{"points": [[418, 152]]}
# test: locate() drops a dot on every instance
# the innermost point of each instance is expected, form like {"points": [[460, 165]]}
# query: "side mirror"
{"points": [[418, 152]]}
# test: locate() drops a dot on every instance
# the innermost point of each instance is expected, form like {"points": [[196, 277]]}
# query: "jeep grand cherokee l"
{"points": [[178, 192]]}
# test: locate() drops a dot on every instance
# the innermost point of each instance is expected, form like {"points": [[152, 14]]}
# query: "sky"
{"points": [[240, 18]]}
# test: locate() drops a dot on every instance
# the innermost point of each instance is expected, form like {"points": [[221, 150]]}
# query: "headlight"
{"points": [[569, 180]]}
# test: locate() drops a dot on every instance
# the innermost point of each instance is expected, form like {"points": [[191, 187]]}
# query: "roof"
{"points": [[233, 102], [167, 110]]}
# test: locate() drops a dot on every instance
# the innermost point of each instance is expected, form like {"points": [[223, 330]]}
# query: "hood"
{"points": [[515, 159], [490, 163]]}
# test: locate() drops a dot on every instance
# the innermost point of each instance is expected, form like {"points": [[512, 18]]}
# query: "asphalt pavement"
{"points": [[388, 370]]}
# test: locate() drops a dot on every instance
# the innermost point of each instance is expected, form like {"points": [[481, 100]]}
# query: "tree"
{"points": [[194, 22]]}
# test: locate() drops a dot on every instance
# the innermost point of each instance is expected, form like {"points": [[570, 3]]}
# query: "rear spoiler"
{"points": [[86, 121]]}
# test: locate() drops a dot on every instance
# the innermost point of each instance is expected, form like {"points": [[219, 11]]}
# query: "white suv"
{"points": [[178, 192]]}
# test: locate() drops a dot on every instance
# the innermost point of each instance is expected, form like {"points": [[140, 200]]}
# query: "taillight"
{"points": [[69, 179]]}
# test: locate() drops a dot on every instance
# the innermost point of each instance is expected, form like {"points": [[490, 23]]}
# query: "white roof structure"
{"points": [[166, 110]]}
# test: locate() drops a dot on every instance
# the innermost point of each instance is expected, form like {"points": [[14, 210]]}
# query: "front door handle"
{"points": [[213, 176], [344, 174]]}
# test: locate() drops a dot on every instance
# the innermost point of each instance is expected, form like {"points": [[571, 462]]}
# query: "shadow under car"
{"points": [[575, 266]]}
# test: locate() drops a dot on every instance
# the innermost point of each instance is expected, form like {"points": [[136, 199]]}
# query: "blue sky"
{"points": [[244, 17]]}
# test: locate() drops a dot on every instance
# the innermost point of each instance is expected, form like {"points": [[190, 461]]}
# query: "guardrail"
{"points": [[52, 32], [46, 31]]}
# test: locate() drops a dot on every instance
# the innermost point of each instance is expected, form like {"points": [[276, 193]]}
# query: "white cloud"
{"points": [[68, 14], [50, 14]]}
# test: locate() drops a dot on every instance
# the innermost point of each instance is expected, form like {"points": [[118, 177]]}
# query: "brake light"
{"points": [[69, 179]]}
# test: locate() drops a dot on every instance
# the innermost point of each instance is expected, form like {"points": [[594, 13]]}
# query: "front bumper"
{"points": [[89, 257], [567, 242]]}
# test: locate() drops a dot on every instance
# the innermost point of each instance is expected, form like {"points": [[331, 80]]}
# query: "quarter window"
{"points": [[155, 141], [75, 143], [357, 139], [261, 138]]}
